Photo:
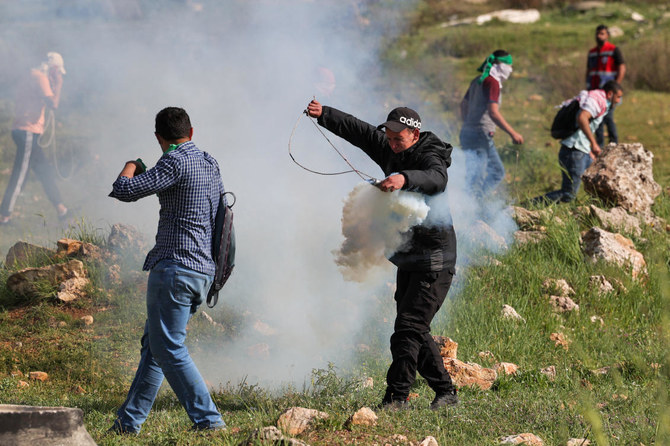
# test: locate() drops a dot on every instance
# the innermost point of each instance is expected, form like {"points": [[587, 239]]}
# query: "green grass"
{"points": [[91, 367]]}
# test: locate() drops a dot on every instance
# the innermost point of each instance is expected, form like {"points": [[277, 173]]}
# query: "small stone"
{"points": [[597, 319], [578, 442], [398, 438], [469, 374], [79, 390], [524, 237], [510, 313], [363, 417], [536, 97], [369, 383], [412, 396], [486, 356], [601, 371], [38, 376], [601, 283], [297, 420], [563, 304], [22, 384], [560, 340], [558, 287], [549, 372], [506, 368], [428, 441], [525, 438], [62, 324], [87, 320]]}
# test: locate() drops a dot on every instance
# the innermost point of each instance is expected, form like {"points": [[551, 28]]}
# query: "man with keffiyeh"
{"points": [[480, 110]]}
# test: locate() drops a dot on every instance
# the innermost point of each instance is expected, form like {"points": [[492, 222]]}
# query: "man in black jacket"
{"points": [[412, 161]]}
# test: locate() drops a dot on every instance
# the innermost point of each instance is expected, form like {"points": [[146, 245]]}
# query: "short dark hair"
{"points": [[601, 27], [500, 53], [173, 123], [613, 86]]}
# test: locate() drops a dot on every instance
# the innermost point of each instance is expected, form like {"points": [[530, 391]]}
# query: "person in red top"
{"points": [[39, 89], [480, 110], [605, 63]]}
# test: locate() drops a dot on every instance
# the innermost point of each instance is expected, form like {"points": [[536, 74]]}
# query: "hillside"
{"points": [[601, 373]]}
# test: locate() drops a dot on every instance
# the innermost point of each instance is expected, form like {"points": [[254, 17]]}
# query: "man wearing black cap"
{"points": [[413, 161]]}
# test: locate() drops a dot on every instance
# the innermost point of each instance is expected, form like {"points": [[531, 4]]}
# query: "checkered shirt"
{"points": [[188, 184]]}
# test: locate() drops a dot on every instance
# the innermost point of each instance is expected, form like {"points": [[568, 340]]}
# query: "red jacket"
{"points": [[602, 66]]}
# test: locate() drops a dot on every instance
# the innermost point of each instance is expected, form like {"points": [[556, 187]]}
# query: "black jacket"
{"points": [[424, 166]]}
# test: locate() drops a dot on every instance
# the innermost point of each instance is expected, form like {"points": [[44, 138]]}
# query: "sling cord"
{"points": [[48, 139], [361, 174]]}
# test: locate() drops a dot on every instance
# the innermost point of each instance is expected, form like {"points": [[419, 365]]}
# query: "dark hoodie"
{"points": [[424, 166]]}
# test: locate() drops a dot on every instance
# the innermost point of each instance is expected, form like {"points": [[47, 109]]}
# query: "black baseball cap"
{"points": [[401, 118]]}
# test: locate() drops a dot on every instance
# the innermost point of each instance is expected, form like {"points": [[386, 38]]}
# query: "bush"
{"points": [[648, 63]]}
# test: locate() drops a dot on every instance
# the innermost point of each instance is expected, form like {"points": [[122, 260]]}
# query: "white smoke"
{"points": [[375, 225]]}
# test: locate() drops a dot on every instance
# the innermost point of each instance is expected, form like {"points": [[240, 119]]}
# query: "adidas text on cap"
{"points": [[402, 118]]}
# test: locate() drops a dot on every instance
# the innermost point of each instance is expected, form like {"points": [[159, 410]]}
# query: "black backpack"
{"points": [[565, 121], [223, 247]]}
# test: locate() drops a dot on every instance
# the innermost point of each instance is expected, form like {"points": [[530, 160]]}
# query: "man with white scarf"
{"points": [[480, 110]]}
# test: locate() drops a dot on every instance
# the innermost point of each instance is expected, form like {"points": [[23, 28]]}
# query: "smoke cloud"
{"points": [[375, 224]]}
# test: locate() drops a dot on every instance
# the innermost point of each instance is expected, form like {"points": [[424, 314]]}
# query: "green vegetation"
{"points": [[91, 366]]}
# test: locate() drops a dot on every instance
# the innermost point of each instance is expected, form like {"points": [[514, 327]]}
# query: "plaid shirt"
{"points": [[188, 184]]}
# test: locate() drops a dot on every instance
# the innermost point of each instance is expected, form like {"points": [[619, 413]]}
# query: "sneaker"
{"points": [[118, 429], [448, 398], [209, 428], [394, 405]]}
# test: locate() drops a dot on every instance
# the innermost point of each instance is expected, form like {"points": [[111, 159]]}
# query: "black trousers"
{"points": [[29, 155], [418, 297]]}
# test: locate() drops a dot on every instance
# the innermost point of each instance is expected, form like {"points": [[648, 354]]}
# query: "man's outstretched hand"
{"points": [[314, 109]]}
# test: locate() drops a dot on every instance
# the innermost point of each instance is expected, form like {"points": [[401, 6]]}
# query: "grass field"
{"points": [[90, 367]]}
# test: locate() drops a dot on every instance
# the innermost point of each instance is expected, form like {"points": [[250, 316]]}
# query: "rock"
{"points": [[558, 286], [270, 435], [523, 237], [114, 275], [127, 242], [369, 383], [264, 329], [38, 376], [506, 368], [527, 219], [560, 340], [363, 417], [23, 282], [563, 304], [549, 372], [598, 244], [208, 319], [622, 175], [68, 247], [398, 439], [87, 320], [296, 420], [448, 347], [578, 442], [536, 97], [428, 441], [22, 254], [510, 313], [469, 374], [525, 438], [520, 16], [601, 284], [596, 319], [615, 32], [72, 289], [637, 17], [487, 237], [22, 384], [46, 426], [617, 219], [601, 371]]}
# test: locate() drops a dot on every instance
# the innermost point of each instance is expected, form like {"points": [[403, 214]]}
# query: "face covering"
{"points": [[488, 65], [501, 71]]}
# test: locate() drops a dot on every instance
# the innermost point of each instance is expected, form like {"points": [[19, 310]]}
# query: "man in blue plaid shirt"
{"points": [[188, 184]]}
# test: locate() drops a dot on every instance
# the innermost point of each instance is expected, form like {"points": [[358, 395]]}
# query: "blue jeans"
{"points": [[573, 164], [484, 168], [608, 121], [174, 293]]}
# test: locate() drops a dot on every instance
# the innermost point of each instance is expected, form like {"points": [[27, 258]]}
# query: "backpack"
{"points": [[223, 247], [565, 121]]}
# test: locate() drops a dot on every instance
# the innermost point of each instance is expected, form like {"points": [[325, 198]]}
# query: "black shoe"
{"points": [[208, 428], [394, 405], [442, 399], [118, 429]]}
